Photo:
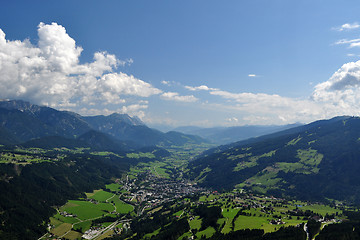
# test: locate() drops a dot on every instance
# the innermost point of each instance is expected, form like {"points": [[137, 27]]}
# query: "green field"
{"points": [[121, 207], [82, 226], [100, 196], [61, 229], [72, 235], [158, 169], [320, 209], [207, 232], [113, 187], [65, 219], [87, 210], [195, 223], [228, 214]]}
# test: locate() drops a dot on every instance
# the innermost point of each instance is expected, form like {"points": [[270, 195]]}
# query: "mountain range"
{"points": [[318, 161], [21, 121], [226, 135]]}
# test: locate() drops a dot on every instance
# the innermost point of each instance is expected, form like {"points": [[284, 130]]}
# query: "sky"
{"points": [[177, 63]]}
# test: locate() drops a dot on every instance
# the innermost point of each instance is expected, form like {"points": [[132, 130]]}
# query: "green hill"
{"points": [[317, 161]]}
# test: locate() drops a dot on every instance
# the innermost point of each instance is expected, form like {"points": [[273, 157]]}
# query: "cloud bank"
{"points": [[49, 73], [340, 95]]}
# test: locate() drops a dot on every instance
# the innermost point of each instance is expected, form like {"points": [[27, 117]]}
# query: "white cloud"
{"points": [[347, 26], [342, 90], [346, 41], [174, 96], [252, 75], [133, 108], [167, 83], [232, 120], [352, 42], [202, 87], [335, 97], [49, 73]]}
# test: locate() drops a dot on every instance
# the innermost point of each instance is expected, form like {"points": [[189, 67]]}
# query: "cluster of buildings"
{"points": [[156, 191]]}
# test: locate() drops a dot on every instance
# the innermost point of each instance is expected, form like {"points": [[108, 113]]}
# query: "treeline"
{"points": [[209, 216], [30, 192]]}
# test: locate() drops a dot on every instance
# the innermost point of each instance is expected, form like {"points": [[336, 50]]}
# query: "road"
{"points": [[307, 232]]}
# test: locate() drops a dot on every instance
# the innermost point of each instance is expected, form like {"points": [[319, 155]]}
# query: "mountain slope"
{"points": [[28, 121], [316, 161], [93, 140], [122, 127]]}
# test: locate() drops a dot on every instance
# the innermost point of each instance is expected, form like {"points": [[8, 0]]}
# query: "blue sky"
{"points": [[205, 63]]}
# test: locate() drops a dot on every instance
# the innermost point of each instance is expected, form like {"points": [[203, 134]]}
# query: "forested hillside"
{"points": [[316, 162]]}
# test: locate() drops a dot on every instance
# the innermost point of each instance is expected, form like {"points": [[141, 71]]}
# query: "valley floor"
{"points": [[154, 191]]}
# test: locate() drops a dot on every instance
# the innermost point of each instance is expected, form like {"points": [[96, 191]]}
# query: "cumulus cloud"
{"points": [[347, 26], [174, 96], [342, 89], [50, 73]]}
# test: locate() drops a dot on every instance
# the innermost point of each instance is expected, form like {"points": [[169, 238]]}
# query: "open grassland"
{"points": [[72, 235], [82, 226], [65, 219], [158, 169], [101, 196], [106, 235], [55, 222], [195, 223], [61, 229], [208, 232], [87, 210], [89, 195], [320, 209], [207, 198], [121, 207], [114, 187], [140, 155]]}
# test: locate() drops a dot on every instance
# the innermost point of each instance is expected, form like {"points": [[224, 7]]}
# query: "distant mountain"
{"points": [[317, 161], [125, 128], [111, 122], [177, 138], [225, 135], [22, 121], [28, 121]]}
